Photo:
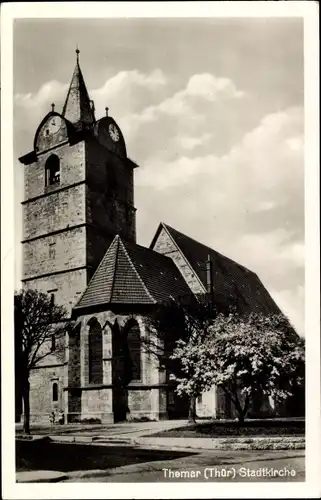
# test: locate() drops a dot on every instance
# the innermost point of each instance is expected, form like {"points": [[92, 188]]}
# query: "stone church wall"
{"points": [[97, 403], [67, 287], [110, 191], [55, 253], [165, 246], [97, 245], [206, 404], [54, 212], [41, 392], [145, 398], [72, 169]]}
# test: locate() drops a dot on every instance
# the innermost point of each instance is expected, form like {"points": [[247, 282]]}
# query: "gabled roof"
{"points": [[131, 274], [77, 108], [232, 282]]}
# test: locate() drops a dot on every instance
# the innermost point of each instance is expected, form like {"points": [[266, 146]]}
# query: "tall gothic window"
{"points": [[52, 170], [134, 348], [95, 354]]}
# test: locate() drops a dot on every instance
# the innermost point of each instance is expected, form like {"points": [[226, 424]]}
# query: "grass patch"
{"points": [[232, 428]]}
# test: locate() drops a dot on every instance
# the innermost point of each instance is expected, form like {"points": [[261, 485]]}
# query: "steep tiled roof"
{"points": [[231, 281], [77, 108], [132, 274]]}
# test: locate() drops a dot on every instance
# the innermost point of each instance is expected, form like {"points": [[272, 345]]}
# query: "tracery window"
{"points": [[134, 348], [95, 353]]}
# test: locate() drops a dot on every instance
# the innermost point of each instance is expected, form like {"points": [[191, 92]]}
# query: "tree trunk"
{"points": [[242, 412], [241, 417], [26, 407], [192, 410]]}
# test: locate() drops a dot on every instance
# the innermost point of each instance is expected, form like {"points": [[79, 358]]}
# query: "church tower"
{"points": [[78, 195]]}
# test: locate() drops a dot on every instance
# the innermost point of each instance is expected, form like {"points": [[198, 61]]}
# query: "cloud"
{"points": [[211, 165], [30, 109], [189, 143], [247, 204], [130, 91], [212, 88], [46, 94], [200, 114]]}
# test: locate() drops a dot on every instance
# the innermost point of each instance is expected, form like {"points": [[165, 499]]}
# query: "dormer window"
{"points": [[52, 170]]}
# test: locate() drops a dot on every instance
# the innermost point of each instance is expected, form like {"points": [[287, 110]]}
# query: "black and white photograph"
{"points": [[161, 328]]}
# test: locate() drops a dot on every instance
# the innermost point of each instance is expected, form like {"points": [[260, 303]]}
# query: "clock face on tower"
{"points": [[52, 126], [109, 135], [113, 132]]}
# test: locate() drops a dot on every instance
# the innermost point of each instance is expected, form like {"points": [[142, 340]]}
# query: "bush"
{"points": [[86, 421], [143, 418]]}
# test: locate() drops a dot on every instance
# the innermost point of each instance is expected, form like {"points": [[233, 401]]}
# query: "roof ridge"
{"points": [[116, 239], [208, 247], [78, 85], [135, 270], [189, 237], [147, 249]]}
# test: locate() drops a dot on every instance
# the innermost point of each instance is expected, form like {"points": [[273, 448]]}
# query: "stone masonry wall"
{"points": [[98, 402], [90, 202], [110, 191], [57, 210], [67, 287], [54, 212], [55, 253], [165, 245], [97, 245], [41, 392], [206, 404], [72, 169]]}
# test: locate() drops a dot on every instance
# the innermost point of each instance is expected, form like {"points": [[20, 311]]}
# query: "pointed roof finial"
{"points": [[77, 107]]}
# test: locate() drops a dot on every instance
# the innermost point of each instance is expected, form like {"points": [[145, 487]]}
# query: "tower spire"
{"points": [[77, 108]]}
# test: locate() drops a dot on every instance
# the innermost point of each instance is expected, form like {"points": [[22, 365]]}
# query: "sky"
{"points": [[211, 110]]}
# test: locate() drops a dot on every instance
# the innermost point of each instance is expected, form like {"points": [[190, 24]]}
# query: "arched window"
{"points": [[55, 391], [52, 170], [134, 348], [95, 354]]}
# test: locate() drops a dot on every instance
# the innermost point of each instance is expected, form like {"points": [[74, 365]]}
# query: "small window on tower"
{"points": [[52, 170], [55, 391], [52, 250], [52, 303]]}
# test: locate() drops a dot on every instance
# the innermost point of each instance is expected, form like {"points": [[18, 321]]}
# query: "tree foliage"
{"points": [[39, 331], [185, 320], [247, 357]]}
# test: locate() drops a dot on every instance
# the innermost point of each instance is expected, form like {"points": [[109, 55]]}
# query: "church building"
{"points": [[79, 246]]}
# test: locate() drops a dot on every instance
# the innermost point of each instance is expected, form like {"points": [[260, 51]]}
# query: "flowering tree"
{"points": [[187, 320], [246, 357], [39, 332]]}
